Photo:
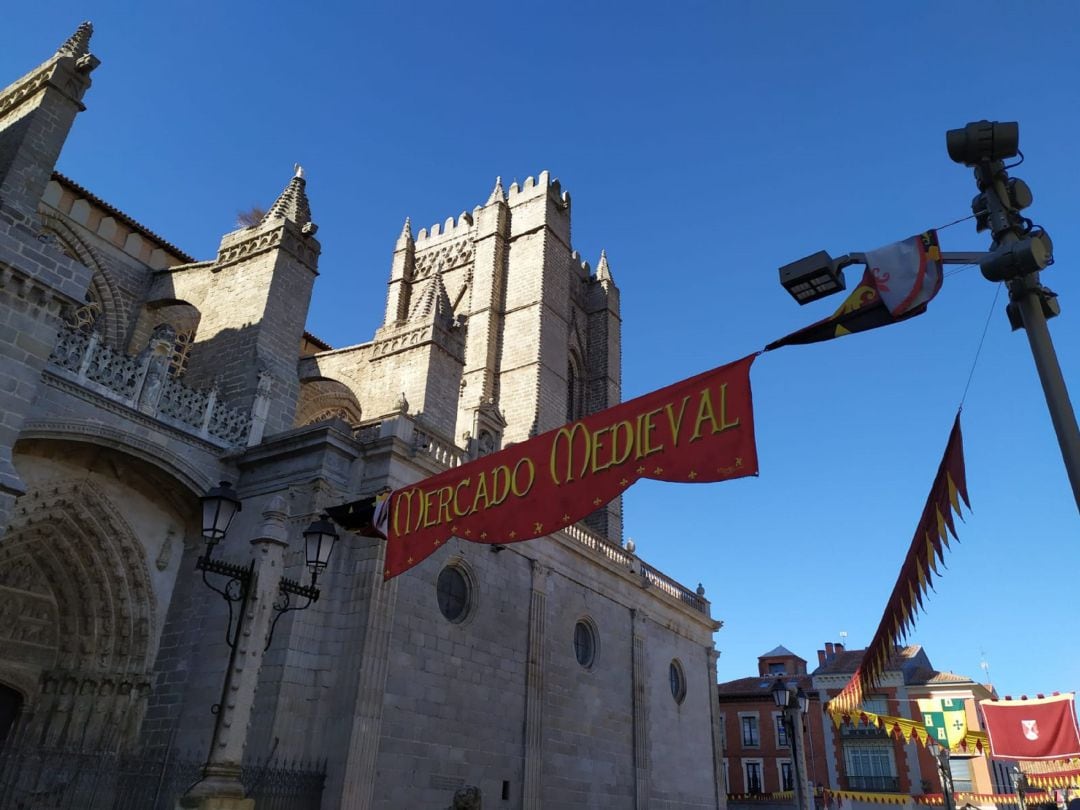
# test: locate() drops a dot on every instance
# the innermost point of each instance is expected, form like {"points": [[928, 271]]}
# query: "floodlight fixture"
{"points": [[814, 277], [983, 142]]}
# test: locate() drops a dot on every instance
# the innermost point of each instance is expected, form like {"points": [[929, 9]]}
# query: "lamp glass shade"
{"points": [[219, 507], [804, 701], [781, 693], [319, 539]]}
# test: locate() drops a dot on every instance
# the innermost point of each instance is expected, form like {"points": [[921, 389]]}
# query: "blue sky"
{"points": [[704, 145]]}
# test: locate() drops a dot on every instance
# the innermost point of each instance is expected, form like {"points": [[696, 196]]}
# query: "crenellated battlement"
{"points": [[450, 229], [582, 264], [535, 186]]}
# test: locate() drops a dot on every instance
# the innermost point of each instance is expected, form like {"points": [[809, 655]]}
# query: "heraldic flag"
{"points": [[899, 281], [1043, 728], [945, 721]]}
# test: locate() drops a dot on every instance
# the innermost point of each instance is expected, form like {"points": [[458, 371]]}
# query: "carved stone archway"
{"points": [[77, 610], [322, 399]]}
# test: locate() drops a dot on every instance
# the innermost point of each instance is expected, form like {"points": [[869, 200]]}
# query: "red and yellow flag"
{"points": [[695, 431], [926, 551], [900, 280]]}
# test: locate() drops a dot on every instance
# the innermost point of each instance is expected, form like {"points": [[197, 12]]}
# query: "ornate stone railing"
{"points": [[650, 577], [142, 382], [423, 441], [444, 451]]}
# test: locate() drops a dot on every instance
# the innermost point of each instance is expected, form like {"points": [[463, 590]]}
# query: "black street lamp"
{"points": [[1020, 785], [941, 755], [259, 590], [793, 704]]}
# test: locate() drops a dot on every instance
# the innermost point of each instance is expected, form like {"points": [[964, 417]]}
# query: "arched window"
{"points": [[678, 681], [454, 594], [585, 643], [575, 389]]}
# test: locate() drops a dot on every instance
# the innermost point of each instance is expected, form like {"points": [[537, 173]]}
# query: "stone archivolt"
{"points": [[78, 606]]}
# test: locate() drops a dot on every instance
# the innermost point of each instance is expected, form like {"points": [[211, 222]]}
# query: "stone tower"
{"points": [[265, 273], [37, 281], [511, 333]]}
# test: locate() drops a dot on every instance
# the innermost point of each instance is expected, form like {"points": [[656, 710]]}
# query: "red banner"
{"points": [[927, 549], [695, 431], [1043, 728]]}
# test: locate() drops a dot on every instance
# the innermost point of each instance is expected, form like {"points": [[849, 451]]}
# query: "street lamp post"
{"points": [[941, 756], [1020, 785], [793, 705], [263, 596]]}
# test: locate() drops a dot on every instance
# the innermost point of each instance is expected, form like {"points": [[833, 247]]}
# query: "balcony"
{"points": [[142, 383], [879, 784]]}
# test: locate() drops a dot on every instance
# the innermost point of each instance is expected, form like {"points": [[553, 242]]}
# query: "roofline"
{"points": [[317, 341], [120, 215]]}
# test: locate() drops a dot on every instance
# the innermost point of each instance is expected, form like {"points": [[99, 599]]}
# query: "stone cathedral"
{"points": [[561, 673]]}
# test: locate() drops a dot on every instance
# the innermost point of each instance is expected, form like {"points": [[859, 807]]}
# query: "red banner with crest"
{"points": [[696, 431]]}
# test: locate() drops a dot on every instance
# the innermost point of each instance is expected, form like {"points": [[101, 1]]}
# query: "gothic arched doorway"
{"points": [[11, 701], [76, 618]]}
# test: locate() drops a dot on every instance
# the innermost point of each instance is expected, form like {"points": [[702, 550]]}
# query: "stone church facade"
{"points": [[134, 377]]}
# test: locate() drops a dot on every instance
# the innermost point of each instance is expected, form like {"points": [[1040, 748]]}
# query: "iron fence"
{"points": [[65, 779]]}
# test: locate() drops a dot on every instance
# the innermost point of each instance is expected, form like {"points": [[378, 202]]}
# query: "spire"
{"points": [[497, 194], [433, 302], [78, 44], [293, 202], [406, 231], [603, 272]]}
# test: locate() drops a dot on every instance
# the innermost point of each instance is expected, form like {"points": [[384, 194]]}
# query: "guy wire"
{"points": [[982, 340]]}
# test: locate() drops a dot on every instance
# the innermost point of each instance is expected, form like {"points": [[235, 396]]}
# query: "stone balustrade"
{"points": [[142, 382]]}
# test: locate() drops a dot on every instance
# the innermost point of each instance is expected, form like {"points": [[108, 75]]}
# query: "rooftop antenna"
{"points": [[843, 638], [984, 665]]}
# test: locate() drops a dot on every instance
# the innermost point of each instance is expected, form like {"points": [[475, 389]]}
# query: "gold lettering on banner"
{"points": [[521, 492], [458, 511], [576, 452], [676, 424], [568, 434]]}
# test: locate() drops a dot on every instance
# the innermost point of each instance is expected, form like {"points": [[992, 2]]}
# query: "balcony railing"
{"points": [[142, 383], [881, 784]]}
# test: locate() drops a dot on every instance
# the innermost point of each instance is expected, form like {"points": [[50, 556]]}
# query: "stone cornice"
{"points": [[33, 290], [65, 74], [305, 249], [401, 341]]}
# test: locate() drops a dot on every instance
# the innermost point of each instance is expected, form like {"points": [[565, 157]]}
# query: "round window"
{"points": [[453, 592], [678, 681], [584, 644]]}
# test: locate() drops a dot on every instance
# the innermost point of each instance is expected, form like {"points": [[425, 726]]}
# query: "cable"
{"points": [[954, 222], [982, 340]]}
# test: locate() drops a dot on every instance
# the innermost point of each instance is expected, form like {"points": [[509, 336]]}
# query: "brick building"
{"points": [[564, 672], [756, 749], [853, 757]]}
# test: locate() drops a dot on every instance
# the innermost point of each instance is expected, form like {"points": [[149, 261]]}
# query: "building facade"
{"points": [[561, 673], [758, 756], [854, 756]]}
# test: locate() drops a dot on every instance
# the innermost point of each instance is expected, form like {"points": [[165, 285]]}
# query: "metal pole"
{"points": [[1026, 293], [946, 778], [793, 719]]}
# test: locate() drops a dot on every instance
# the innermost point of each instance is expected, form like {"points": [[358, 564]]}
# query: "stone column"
{"points": [[641, 713], [534, 688], [358, 789], [220, 788], [717, 733]]}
